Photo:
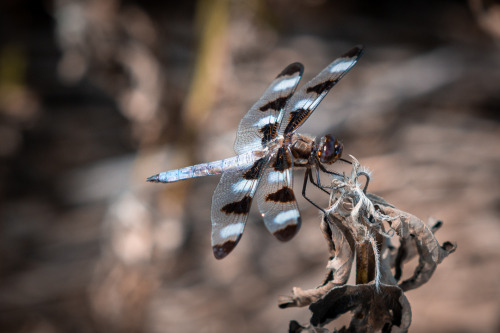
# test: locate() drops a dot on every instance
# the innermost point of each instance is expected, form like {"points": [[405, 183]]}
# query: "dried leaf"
{"points": [[373, 310], [414, 233], [341, 247]]}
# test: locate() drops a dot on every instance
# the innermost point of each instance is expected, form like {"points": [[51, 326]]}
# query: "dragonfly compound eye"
{"points": [[330, 149]]}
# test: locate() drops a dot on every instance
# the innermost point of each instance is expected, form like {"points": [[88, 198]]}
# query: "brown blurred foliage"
{"points": [[97, 95]]}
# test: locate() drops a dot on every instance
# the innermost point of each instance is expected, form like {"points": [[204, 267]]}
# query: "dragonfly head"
{"points": [[329, 149]]}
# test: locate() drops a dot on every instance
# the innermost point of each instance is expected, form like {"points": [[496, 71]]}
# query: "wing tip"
{"points": [[355, 52], [221, 251], [288, 232], [291, 69]]}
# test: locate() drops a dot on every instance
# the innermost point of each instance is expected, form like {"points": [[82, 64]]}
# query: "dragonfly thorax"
{"points": [[302, 147], [329, 149]]}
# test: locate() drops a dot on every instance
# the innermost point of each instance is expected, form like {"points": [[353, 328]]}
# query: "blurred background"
{"points": [[97, 95]]}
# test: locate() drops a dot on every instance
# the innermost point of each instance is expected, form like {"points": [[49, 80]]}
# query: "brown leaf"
{"points": [[414, 233], [373, 310]]}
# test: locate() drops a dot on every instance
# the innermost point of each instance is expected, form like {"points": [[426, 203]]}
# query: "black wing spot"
{"points": [[354, 52], [296, 118], [220, 251], [255, 170], [292, 69], [284, 195], [238, 207], [282, 161], [322, 87], [269, 132], [288, 232], [277, 104]]}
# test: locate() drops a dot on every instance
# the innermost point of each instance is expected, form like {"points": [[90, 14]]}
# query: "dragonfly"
{"points": [[268, 148]]}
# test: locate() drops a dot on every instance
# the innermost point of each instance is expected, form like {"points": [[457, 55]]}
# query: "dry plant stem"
{"points": [[365, 265]]}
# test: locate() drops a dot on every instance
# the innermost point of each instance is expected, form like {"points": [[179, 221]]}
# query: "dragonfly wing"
{"points": [[306, 99], [231, 204], [260, 123], [276, 199]]}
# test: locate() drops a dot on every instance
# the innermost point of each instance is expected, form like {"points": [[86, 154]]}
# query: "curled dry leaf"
{"points": [[362, 225], [383, 307], [414, 235], [341, 249]]}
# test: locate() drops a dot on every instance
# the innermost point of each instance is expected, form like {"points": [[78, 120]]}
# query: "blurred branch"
{"points": [[212, 24], [487, 14]]}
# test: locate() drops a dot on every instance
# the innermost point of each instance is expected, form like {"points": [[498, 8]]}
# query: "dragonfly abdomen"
{"points": [[207, 169]]}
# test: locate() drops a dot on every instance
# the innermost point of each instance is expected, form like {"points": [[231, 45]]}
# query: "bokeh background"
{"points": [[97, 95]]}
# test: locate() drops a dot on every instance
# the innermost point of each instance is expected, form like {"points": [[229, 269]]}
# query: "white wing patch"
{"points": [[277, 176], [315, 104], [242, 186], [286, 84], [288, 215], [265, 121], [232, 230], [301, 103], [306, 104], [342, 66]]}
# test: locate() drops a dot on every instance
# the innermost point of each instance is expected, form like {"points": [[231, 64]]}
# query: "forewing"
{"points": [[260, 124], [276, 199], [307, 98], [231, 204]]}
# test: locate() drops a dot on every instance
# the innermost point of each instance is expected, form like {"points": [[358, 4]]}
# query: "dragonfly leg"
{"points": [[319, 167], [344, 160], [308, 175], [322, 168], [318, 183]]}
